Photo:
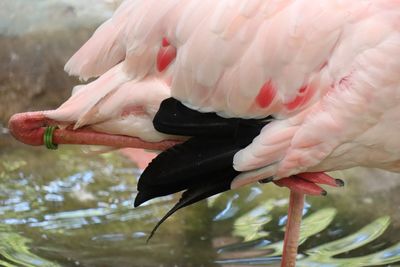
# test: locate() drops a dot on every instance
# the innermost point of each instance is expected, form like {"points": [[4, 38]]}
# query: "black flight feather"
{"points": [[198, 193], [175, 118], [201, 166], [185, 165]]}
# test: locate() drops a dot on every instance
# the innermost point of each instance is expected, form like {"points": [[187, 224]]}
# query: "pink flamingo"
{"points": [[320, 78]]}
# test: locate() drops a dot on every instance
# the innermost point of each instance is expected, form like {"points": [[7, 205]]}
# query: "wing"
{"points": [[245, 59], [239, 58]]}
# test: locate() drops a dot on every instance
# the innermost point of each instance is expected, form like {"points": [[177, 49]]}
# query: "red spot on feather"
{"points": [[266, 95], [306, 93], [302, 89], [165, 42], [165, 56]]}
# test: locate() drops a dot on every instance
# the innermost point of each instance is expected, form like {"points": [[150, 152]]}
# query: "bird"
{"points": [[236, 92]]}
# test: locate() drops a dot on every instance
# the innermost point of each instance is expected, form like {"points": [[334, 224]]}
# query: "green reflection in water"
{"points": [[250, 225], [15, 251], [362, 237], [323, 255], [310, 226]]}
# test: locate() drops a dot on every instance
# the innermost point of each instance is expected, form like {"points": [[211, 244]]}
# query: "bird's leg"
{"points": [[292, 233], [30, 128], [299, 186]]}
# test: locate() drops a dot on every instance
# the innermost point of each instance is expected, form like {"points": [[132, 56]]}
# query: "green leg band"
{"points": [[48, 138]]}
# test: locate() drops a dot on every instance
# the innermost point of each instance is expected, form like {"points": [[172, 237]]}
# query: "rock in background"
{"points": [[36, 39]]}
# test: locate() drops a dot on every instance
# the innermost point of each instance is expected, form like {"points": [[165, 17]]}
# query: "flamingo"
{"points": [[236, 92]]}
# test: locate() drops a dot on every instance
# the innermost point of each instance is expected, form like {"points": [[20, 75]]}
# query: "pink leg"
{"points": [[300, 185], [292, 233]]}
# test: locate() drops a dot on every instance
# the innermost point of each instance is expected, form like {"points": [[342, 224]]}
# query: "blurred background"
{"points": [[37, 37], [70, 208]]}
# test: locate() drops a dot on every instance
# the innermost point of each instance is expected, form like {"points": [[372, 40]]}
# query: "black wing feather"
{"points": [[196, 194], [175, 118], [186, 165], [202, 166]]}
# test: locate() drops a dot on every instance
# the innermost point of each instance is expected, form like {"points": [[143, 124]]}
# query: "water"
{"points": [[64, 208]]}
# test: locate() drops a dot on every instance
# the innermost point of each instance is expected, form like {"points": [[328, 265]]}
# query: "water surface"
{"points": [[65, 208]]}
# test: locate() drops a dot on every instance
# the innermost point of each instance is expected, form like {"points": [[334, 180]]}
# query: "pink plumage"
{"points": [[328, 71]]}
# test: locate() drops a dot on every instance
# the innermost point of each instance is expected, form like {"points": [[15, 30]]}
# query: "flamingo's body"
{"points": [[327, 71]]}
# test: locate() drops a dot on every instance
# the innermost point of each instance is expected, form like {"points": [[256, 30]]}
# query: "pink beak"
{"points": [[29, 128]]}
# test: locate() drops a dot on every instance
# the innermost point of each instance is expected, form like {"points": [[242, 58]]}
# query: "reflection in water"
{"points": [[66, 209], [323, 255], [14, 250]]}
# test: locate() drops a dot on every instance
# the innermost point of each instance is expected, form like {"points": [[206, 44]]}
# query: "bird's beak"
{"points": [[32, 128]]}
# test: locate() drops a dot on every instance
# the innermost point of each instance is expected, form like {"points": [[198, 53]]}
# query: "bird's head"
{"points": [[121, 117]]}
